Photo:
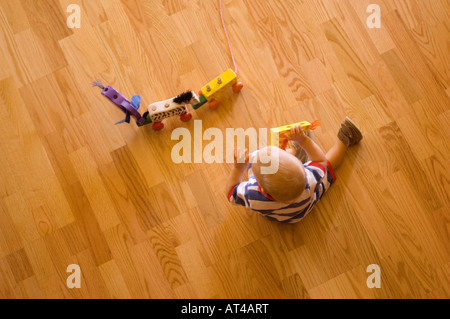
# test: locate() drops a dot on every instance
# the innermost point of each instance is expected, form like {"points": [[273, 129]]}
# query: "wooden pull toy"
{"points": [[156, 111], [279, 136], [176, 106]]}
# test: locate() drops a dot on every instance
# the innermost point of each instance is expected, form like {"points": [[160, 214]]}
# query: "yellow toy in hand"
{"points": [[279, 136]]}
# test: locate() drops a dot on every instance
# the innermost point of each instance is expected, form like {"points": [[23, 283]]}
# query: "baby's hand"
{"points": [[241, 158], [297, 134]]}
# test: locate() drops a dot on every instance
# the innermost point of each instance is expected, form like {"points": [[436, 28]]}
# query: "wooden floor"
{"points": [[75, 189]]}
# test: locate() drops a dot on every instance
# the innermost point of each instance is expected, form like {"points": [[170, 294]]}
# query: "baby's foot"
{"points": [[349, 134]]}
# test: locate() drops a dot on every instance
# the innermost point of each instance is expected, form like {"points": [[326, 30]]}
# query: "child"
{"points": [[290, 193]]}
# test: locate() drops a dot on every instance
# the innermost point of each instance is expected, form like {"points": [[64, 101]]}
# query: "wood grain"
{"points": [[75, 189]]}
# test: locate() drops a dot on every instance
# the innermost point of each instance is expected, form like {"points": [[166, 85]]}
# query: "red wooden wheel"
{"points": [[158, 126], [237, 87], [213, 104], [186, 117]]}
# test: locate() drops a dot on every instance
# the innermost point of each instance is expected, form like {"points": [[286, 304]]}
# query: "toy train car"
{"points": [[176, 106], [172, 107], [210, 91]]}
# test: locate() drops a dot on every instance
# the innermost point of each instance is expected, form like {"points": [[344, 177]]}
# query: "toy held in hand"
{"points": [[279, 136]]}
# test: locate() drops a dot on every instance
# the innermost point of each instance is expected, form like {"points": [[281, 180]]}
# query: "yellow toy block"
{"points": [[279, 135], [222, 82]]}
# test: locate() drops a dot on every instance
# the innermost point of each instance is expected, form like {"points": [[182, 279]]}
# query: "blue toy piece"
{"points": [[121, 102], [135, 103]]}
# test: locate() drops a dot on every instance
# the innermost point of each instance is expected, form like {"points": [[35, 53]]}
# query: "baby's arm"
{"points": [[313, 151], [240, 164]]}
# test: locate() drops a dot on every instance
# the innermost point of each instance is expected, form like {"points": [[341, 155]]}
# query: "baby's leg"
{"points": [[348, 135], [336, 154]]}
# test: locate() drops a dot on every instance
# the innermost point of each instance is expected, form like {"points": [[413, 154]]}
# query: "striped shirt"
{"points": [[248, 194]]}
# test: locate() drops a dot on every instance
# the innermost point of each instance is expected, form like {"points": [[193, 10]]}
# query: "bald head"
{"points": [[284, 184]]}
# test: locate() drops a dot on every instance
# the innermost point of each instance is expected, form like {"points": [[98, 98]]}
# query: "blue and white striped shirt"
{"points": [[248, 194]]}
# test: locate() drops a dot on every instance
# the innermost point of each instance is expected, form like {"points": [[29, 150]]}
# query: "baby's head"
{"points": [[285, 184]]}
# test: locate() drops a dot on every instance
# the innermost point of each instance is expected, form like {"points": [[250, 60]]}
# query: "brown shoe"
{"points": [[349, 134]]}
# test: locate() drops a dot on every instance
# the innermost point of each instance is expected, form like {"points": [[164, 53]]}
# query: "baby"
{"points": [[288, 193]]}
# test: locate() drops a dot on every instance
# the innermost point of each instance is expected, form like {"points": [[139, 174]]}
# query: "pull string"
{"points": [[226, 34]]}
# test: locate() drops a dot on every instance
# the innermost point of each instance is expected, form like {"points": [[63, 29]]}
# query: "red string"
{"points": [[226, 34]]}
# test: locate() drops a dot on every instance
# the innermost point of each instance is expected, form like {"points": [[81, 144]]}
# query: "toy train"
{"points": [[176, 106], [279, 136]]}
